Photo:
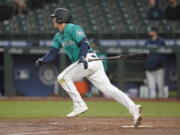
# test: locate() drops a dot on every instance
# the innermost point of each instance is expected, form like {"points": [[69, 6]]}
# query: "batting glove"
{"points": [[38, 62], [84, 61]]}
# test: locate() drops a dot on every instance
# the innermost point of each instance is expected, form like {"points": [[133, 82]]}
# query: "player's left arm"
{"points": [[80, 38], [84, 47]]}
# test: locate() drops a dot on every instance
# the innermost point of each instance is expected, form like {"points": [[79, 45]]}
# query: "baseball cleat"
{"points": [[77, 111], [137, 115]]}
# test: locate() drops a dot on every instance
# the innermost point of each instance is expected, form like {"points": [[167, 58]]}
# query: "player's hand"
{"points": [[83, 60], [38, 62]]}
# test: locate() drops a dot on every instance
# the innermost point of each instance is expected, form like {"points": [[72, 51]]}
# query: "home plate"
{"points": [[141, 126]]}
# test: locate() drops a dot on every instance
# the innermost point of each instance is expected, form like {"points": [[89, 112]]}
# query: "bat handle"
{"points": [[90, 60]]}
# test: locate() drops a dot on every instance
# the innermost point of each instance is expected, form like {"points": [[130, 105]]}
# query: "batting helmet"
{"points": [[62, 15]]}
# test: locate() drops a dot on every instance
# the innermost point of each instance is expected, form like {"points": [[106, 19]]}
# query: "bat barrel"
{"points": [[126, 56]]}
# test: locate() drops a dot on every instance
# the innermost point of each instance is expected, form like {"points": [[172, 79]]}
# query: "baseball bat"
{"points": [[125, 56]]}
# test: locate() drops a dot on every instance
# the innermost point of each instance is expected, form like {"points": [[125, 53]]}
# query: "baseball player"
{"points": [[73, 40]]}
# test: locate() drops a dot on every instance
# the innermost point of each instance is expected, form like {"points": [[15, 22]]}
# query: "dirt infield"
{"points": [[88, 126]]}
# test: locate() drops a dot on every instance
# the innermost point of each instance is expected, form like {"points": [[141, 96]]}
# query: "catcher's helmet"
{"points": [[62, 15]]}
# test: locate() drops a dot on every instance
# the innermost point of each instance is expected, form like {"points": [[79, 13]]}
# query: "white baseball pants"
{"points": [[97, 76], [156, 78]]}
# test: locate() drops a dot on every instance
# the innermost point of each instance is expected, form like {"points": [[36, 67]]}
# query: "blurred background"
{"points": [[114, 27]]}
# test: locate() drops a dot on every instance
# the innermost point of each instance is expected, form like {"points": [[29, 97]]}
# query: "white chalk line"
{"points": [[141, 126]]}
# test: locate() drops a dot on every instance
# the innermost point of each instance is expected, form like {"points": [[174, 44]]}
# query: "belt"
{"points": [[93, 53], [90, 51]]}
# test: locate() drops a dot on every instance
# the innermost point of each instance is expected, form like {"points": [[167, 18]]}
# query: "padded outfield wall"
{"points": [[22, 78]]}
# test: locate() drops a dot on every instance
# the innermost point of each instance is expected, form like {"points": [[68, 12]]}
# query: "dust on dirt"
{"points": [[88, 126]]}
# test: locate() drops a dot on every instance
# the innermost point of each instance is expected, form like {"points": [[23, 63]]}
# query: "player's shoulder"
{"points": [[57, 37], [57, 34], [71, 25], [74, 26], [75, 29]]}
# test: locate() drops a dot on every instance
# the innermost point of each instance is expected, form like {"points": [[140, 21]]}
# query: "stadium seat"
{"points": [[102, 17]]}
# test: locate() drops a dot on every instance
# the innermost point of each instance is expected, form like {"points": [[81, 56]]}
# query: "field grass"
{"points": [[54, 109]]}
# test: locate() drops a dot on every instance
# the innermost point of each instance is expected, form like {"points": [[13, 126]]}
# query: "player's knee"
{"points": [[60, 78]]}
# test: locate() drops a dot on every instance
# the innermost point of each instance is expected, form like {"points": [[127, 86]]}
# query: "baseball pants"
{"points": [[97, 76], [156, 78]]}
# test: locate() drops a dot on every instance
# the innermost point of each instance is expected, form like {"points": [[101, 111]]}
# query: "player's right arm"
{"points": [[51, 54]]}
